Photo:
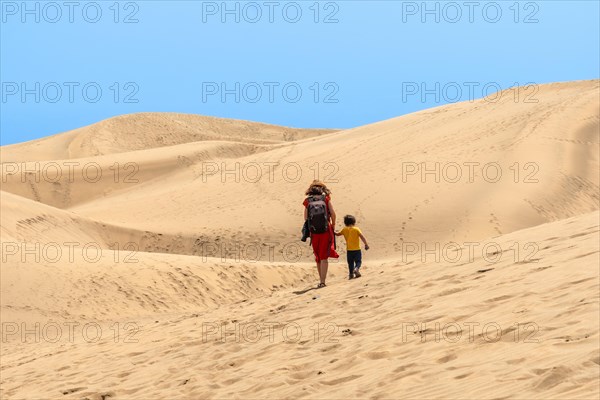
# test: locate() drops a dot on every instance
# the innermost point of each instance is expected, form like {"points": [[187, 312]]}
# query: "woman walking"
{"points": [[320, 216]]}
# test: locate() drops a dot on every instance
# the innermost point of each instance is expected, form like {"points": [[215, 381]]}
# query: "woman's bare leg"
{"points": [[323, 270], [320, 273]]}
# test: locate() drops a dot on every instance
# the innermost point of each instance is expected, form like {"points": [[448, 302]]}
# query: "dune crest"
{"points": [[143, 131]]}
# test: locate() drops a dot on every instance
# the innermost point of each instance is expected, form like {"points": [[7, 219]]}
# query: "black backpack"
{"points": [[318, 216]]}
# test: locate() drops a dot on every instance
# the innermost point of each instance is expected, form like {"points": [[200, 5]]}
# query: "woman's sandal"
{"points": [[321, 285]]}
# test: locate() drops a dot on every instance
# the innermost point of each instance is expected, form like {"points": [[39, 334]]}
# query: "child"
{"points": [[352, 233]]}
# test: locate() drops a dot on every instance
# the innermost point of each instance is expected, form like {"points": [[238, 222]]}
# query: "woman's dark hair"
{"points": [[349, 220], [317, 188]]}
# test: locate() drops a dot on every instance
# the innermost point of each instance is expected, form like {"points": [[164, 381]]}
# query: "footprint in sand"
{"points": [[462, 376], [495, 223], [452, 291], [73, 390], [341, 380], [447, 358], [376, 355], [553, 377]]}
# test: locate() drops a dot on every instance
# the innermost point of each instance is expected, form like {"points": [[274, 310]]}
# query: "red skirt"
{"points": [[323, 245]]}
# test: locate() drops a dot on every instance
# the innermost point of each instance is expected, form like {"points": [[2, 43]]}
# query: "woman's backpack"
{"points": [[318, 216]]}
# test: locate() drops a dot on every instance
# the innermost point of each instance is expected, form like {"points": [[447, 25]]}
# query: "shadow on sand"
{"points": [[305, 290]]}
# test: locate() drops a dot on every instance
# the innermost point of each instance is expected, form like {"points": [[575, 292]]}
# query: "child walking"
{"points": [[352, 233]]}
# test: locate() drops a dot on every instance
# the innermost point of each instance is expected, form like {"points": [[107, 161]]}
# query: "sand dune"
{"points": [[534, 332], [72, 260], [500, 166], [159, 228], [145, 131]]}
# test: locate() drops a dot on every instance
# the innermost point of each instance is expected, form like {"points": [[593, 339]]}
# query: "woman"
{"points": [[322, 242]]}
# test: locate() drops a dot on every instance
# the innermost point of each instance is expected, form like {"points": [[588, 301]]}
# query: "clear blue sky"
{"points": [[355, 62]]}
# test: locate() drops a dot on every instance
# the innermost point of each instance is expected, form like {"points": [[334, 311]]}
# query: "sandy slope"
{"points": [[360, 350], [73, 262], [145, 131], [545, 155], [142, 227]]}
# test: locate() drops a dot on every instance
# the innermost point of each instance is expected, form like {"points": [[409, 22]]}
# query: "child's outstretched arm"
{"points": [[338, 233], [364, 241]]}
